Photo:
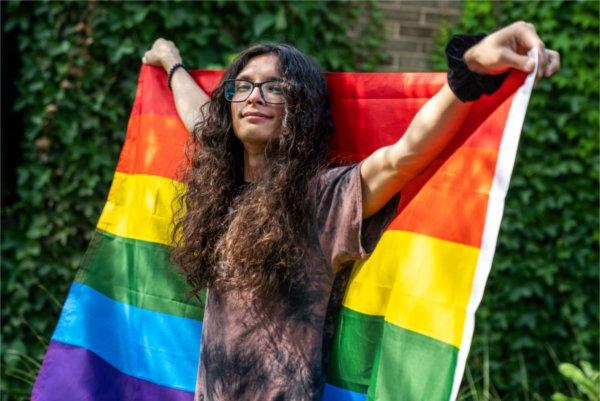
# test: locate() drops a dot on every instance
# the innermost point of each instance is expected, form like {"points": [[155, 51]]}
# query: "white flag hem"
{"points": [[504, 167]]}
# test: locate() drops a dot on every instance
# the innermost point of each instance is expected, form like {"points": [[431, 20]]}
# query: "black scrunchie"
{"points": [[466, 84]]}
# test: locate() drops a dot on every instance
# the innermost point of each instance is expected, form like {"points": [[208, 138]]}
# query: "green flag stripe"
{"points": [[351, 357], [389, 362], [138, 273]]}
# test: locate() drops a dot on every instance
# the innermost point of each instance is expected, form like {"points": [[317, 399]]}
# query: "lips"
{"points": [[255, 114]]}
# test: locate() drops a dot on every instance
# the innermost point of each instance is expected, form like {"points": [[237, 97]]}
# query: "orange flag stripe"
{"points": [[453, 203], [461, 182], [159, 151]]}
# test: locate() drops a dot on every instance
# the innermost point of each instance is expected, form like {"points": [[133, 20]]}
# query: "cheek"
{"points": [[233, 110]]}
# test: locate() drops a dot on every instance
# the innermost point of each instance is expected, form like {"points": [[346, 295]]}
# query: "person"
{"points": [[268, 222]]}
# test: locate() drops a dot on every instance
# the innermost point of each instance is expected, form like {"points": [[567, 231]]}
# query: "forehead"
{"points": [[260, 68]]}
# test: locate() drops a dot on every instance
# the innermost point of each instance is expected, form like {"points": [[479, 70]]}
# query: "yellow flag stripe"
{"points": [[141, 207], [416, 282]]}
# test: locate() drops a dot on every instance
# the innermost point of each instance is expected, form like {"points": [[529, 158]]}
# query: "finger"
{"points": [[529, 37], [144, 60], [553, 63], [543, 61], [516, 60]]}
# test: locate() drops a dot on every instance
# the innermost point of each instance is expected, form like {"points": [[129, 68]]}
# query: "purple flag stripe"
{"points": [[76, 374]]}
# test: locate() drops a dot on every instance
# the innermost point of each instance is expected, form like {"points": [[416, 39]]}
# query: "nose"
{"points": [[255, 96]]}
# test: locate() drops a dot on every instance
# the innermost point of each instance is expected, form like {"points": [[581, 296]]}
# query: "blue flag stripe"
{"points": [[154, 346], [333, 393]]}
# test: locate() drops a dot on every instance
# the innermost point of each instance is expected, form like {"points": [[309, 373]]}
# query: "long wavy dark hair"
{"points": [[253, 239]]}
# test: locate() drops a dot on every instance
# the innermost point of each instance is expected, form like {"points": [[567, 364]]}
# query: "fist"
{"points": [[163, 53], [507, 48]]}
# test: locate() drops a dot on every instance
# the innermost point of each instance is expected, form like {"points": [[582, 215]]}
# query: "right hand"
{"points": [[507, 48], [163, 53]]}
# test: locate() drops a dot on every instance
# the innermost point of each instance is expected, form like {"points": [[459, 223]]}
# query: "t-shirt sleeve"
{"points": [[343, 234]]}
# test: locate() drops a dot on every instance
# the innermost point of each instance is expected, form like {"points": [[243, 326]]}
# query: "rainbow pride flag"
{"points": [[127, 331]]}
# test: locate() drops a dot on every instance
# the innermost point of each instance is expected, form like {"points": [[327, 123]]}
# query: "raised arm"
{"points": [[189, 97], [387, 170]]}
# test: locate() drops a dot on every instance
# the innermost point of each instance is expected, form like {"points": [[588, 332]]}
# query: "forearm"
{"points": [[432, 128], [189, 98], [387, 170]]}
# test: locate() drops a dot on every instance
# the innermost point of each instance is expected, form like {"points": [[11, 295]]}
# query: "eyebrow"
{"points": [[248, 78]]}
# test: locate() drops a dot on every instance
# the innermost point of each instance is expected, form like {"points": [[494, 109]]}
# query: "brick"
{"points": [[388, 5], [388, 68], [427, 46], [419, 3], [434, 17], [399, 61], [392, 29], [416, 31], [389, 65], [390, 62], [403, 45], [412, 55], [451, 6], [401, 14], [411, 27], [398, 5], [437, 10], [412, 65]]}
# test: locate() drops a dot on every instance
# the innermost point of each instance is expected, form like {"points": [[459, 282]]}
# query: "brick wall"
{"points": [[410, 28]]}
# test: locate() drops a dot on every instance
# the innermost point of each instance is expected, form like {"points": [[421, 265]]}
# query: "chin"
{"points": [[257, 136]]}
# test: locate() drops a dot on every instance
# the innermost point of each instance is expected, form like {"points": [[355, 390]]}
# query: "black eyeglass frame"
{"points": [[254, 85]]}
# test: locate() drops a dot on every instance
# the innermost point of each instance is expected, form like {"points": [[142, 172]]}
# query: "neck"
{"points": [[254, 162]]}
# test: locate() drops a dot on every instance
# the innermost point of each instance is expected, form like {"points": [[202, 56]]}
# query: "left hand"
{"points": [[507, 48]]}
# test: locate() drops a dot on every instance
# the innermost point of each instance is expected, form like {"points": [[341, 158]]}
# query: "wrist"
{"points": [[470, 56], [174, 68], [169, 62], [463, 77]]}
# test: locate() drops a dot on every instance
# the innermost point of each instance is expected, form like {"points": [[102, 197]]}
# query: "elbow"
{"points": [[406, 163]]}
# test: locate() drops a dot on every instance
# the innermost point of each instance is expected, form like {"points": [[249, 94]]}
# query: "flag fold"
{"points": [[128, 332]]}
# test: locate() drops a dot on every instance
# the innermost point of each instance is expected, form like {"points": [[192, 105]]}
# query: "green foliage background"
{"points": [[80, 61], [541, 302]]}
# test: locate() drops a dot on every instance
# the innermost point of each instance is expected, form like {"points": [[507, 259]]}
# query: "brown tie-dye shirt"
{"points": [[245, 358]]}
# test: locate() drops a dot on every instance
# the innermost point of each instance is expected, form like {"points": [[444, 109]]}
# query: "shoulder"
{"points": [[335, 186], [331, 176]]}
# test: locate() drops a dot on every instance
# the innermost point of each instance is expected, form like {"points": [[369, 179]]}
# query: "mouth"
{"points": [[255, 115]]}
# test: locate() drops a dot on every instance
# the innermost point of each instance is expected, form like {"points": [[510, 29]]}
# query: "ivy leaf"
{"points": [[261, 22], [280, 20]]}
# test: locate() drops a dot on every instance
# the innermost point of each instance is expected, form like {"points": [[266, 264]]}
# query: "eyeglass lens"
{"points": [[239, 91]]}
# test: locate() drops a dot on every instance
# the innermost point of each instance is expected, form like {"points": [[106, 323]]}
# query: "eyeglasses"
{"points": [[239, 90]]}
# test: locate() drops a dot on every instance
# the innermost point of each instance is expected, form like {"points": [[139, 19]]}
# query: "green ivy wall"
{"points": [[78, 67], [541, 303]]}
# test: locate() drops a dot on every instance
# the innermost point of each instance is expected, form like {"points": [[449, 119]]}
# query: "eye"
{"points": [[274, 88], [243, 86]]}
